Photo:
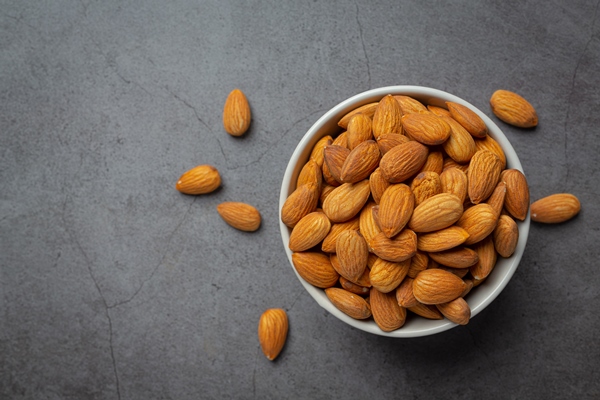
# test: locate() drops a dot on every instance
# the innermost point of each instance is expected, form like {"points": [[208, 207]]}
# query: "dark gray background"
{"points": [[115, 286]]}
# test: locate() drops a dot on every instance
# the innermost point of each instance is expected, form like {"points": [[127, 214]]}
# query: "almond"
{"points": [[468, 119], [272, 332], [199, 180], [426, 311], [387, 275], [236, 113], [460, 272], [410, 105], [399, 248], [349, 303], [489, 143], [299, 203], [309, 231], [439, 111], [316, 153], [469, 283], [310, 173], [387, 314], [425, 185], [487, 258], [367, 109], [483, 175], [352, 253], [419, 262], [334, 158], [360, 162], [434, 162], [513, 109], [368, 226], [346, 201], [395, 209], [556, 208], [329, 242], [479, 221], [389, 141], [435, 213], [454, 181], [426, 128], [353, 287], [378, 185], [359, 130], [450, 163], [241, 216], [315, 268], [436, 286], [456, 311], [516, 201], [362, 280], [443, 239], [341, 140], [403, 161], [387, 117], [325, 191], [506, 236], [458, 257], [404, 294], [460, 145], [496, 200]]}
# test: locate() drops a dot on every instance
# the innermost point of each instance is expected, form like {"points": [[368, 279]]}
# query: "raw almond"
{"points": [[516, 201], [419, 262], [325, 191], [359, 130], [346, 201], [239, 215], [334, 158], [436, 286], [426, 311], [513, 109], [272, 332], [310, 173], [315, 268], [341, 140], [387, 117], [352, 253], [316, 153], [399, 248], [389, 141], [403, 161], [367, 109], [426, 128], [329, 242], [199, 180], [483, 175], [387, 314], [299, 203], [460, 272], [378, 185], [395, 209], [368, 226], [489, 143], [353, 287], [362, 280], [460, 145], [439, 111], [468, 119], [349, 303], [458, 257], [556, 208], [410, 105], [487, 258], [457, 311], [404, 294], [443, 239], [454, 181], [386, 275], [309, 231], [236, 113], [434, 162], [360, 162], [450, 163], [435, 213], [479, 221], [506, 236], [496, 200], [425, 185]]}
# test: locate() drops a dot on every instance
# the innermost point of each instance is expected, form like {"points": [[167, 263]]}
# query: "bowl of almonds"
{"points": [[404, 211]]}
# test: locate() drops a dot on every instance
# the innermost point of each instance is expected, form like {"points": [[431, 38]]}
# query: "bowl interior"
{"points": [[481, 296]]}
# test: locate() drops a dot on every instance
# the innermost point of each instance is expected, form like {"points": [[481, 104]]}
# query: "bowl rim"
{"points": [[505, 268]]}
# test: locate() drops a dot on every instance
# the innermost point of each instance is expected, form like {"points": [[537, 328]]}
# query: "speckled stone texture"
{"points": [[113, 285]]}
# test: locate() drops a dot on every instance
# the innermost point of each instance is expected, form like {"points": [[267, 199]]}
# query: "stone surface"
{"points": [[115, 286]]}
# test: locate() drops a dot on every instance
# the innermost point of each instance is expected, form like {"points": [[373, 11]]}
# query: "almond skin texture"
{"points": [[457, 311], [349, 303], [425, 185], [360, 162], [387, 314], [329, 242], [489, 143], [334, 157], [299, 203], [390, 140], [516, 201], [404, 294], [310, 173], [513, 109], [353, 287], [434, 162], [352, 253], [386, 275], [506, 236], [479, 221], [272, 332], [367, 109], [395, 209], [317, 150], [426, 128], [403, 161], [496, 200], [359, 130], [309, 231], [468, 119], [556, 208], [419, 262], [368, 226], [454, 181], [378, 185], [410, 105], [401, 247], [199, 180], [426, 311], [241, 216], [346, 201], [236, 113], [315, 268], [487, 258], [443, 239], [439, 111], [460, 145], [436, 286], [435, 213], [483, 175], [387, 117], [458, 257]]}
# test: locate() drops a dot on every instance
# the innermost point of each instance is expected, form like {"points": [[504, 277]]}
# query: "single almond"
{"points": [[362, 280], [450, 163], [387, 275], [334, 158], [236, 113], [479, 221], [460, 272], [395, 209], [426, 311], [496, 199], [439, 111], [458, 257], [387, 117], [434, 162], [387, 314], [513, 109], [516, 201], [454, 181], [360, 162], [436, 286], [272, 332], [483, 175], [460, 145], [556, 208], [419, 262], [389, 141], [329, 242], [349, 303], [353, 287], [469, 283], [399, 248], [487, 258], [426, 128], [456, 311], [325, 191], [341, 140], [359, 130], [315, 268], [378, 184], [366, 109], [425, 185], [346, 201], [489, 143], [368, 226], [404, 293], [310, 173], [409, 104], [468, 118], [403, 161], [435, 213], [352, 253], [316, 153], [239, 215], [506, 236], [309, 231], [299, 203], [199, 180], [441, 240]]}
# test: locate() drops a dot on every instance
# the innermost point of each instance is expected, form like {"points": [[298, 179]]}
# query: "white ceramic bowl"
{"points": [[481, 296]]}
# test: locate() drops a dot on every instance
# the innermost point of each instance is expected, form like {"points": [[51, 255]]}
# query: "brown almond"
{"points": [[419, 262], [556, 208], [395, 209], [410, 105], [387, 117], [309, 231], [366, 109], [329, 242], [310, 173], [239, 215], [513, 109], [487, 258], [458, 257], [387, 314], [450, 163], [349, 303], [346, 201], [439, 111], [506, 236], [454, 181], [456, 311], [516, 201], [489, 143], [359, 130], [426, 311], [460, 272], [389, 141], [236, 113], [299, 203], [362, 280], [434, 162], [369, 227], [352, 253], [425, 185], [316, 153], [334, 158], [341, 140], [436, 286], [468, 118], [378, 184], [460, 145], [360, 162], [315, 268], [404, 293], [483, 175], [199, 180], [426, 128], [325, 191], [403, 161], [479, 221], [435, 213], [353, 287], [399, 248], [496, 199], [272, 332], [469, 283], [387, 275], [441, 240]]}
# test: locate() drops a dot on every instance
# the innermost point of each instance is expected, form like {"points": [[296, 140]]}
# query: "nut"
{"points": [[272, 332]]}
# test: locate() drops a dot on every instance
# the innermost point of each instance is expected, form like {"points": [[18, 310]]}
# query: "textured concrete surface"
{"points": [[115, 286]]}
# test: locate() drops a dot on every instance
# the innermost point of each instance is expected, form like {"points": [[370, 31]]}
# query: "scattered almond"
{"points": [[556, 208], [239, 215], [513, 109], [272, 332], [199, 180], [236, 113]]}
